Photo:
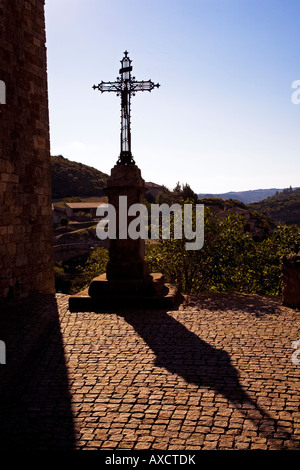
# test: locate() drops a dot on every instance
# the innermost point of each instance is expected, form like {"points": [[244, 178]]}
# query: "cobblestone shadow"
{"points": [[35, 406], [182, 352]]}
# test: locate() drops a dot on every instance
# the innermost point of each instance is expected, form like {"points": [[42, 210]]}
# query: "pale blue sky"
{"points": [[223, 118]]}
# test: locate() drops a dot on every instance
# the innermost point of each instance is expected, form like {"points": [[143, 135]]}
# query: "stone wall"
{"points": [[26, 239], [291, 280]]}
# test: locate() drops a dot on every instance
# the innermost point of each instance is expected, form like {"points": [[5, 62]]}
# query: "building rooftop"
{"points": [[153, 185], [85, 205]]}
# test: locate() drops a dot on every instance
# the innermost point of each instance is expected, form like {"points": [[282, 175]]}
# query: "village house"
{"points": [[81, 210], [153, 189], [58, 212]]}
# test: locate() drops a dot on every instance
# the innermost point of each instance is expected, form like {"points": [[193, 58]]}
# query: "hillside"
{"points": [[256, 222], [75, 179], [247, 197], [283, 207]]}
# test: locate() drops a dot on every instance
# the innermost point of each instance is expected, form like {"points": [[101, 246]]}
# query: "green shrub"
{"points": [[230, 260], [94, 266], [64, 221], [76, 274]]}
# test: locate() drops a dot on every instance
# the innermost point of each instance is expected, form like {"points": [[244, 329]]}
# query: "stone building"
{"points": [[79, 210], [26, 238], [152, 190]]}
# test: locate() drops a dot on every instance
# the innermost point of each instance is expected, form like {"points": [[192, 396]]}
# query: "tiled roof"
{"points": [[152, 185], [85, 205]]}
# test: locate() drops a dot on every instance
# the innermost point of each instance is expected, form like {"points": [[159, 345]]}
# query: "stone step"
{"points": [[168, 298], [152, 284]]}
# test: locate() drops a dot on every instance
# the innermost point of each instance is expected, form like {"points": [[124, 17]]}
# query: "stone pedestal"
{"points": [[106, 296], [126, 256], [127, 282], [291, 280]]}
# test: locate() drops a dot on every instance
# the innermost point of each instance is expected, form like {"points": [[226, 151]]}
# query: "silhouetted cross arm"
{"points": [[108, 86], [144, 86]]}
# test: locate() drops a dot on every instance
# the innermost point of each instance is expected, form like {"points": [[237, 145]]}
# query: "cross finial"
{"points": [[126, 53]]}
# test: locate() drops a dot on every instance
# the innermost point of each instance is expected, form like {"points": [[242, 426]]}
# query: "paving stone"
{"points": [[215, 374]]}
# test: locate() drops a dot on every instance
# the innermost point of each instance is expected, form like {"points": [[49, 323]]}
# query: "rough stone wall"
{"points": [[290, 278], [26, 239]]}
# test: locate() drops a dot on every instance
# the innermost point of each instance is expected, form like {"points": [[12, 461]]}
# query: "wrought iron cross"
{"points": [[125, 86]]}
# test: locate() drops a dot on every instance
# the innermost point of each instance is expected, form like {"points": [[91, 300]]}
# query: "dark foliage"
{"points": [[283, 207], [71, 179]]}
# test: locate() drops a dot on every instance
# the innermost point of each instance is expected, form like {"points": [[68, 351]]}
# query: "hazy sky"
{"points": [[223, 118]]}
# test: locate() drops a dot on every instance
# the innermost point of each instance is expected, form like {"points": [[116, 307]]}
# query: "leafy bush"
{"points": [[62, 281], [94, 266], [72, 179], [76, 274], [72, 199], [230, 260]]}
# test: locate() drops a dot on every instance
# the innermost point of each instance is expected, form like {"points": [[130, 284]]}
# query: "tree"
{"points": [[64, 221], [180, 193], [183, 192], [165, 197]]}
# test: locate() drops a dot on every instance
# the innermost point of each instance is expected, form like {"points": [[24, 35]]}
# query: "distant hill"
{"points": [[75, 179], [283, 207], [247, 197]]}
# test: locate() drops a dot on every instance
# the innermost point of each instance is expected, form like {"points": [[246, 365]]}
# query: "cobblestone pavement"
{"points": [[215, 374]]}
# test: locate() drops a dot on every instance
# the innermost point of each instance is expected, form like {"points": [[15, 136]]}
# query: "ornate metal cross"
{"points": [[125, 86]]}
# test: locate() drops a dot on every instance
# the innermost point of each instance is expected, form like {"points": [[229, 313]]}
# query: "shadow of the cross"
{"points": [[182, 352]]}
